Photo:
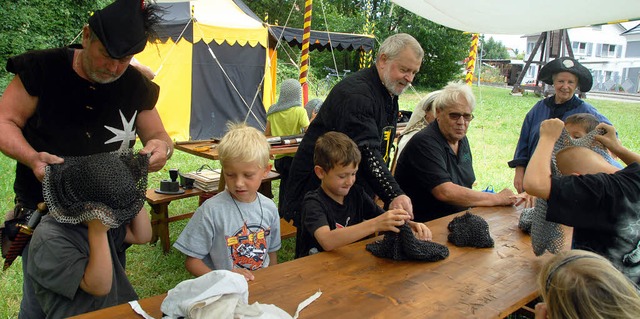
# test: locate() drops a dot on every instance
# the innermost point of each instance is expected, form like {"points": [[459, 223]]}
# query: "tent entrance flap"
{"points": [[211, 104]]}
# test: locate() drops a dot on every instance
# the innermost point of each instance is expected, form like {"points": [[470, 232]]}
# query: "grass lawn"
{"points": [[492, 134]]}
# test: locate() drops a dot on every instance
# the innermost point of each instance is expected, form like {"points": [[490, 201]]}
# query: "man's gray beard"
{"points": [[390, 88], [392, 91], [96, 79]]}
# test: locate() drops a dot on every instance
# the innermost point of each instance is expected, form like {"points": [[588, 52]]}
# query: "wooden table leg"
{"points": [[265, 189], [160, 213], [154, 223]]}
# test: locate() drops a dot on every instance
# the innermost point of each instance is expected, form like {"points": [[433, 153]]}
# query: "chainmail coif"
{"points": [[546, 235], [106, 186], [405, 245], [470, 230]]}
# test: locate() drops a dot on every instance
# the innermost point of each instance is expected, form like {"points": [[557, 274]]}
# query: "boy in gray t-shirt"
{"points": [[238, 229]]}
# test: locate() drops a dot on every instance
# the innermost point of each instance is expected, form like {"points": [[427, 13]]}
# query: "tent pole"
{"points": [[471, 59], [304, 55]]}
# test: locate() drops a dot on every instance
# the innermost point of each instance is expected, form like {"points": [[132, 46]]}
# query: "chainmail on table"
{"points": [[405, 245], [469, 230], [546, 235], [106, 186]]}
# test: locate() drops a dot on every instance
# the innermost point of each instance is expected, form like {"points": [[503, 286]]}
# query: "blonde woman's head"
{"points": [[581, 284]]}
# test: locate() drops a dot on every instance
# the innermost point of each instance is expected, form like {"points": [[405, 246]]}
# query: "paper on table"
{"points": [[307, 302], [138, 309]]}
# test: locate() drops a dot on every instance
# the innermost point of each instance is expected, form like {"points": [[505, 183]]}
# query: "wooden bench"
{"points": [[160, 214], [160, 211], [287, 230]]}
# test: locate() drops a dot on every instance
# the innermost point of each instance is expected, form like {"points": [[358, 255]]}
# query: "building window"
{"points": [[579, 48], [609, 50], [532, 71], [530, 46]]}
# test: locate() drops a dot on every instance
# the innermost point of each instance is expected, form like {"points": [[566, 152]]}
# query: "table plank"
{"points": [[212, 151], [470, 283]]}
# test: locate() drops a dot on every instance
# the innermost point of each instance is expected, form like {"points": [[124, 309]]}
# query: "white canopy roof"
{"points": [[522, 17]]}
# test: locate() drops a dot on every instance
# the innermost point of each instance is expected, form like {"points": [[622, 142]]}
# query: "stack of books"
{"points": [[205, 179]]}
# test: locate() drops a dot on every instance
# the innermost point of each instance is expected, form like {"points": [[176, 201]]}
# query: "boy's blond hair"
{"points": [[245, 144]]}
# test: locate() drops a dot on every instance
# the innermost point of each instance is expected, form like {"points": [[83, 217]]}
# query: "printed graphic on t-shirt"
{"points": [[465, 157], [127, 134], [346, 223], [631, 232], [248, 246]]}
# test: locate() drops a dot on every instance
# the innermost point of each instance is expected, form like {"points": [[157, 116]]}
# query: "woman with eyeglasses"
{"points": [[435, 168], [566, 75]]}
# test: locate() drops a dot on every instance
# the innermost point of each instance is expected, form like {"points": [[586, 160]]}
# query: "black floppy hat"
{"points": [[566, 64], [106, 186], [121, 28]]}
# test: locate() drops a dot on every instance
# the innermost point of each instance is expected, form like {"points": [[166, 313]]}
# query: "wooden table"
{"points": [[212, 149], [470, 283]]}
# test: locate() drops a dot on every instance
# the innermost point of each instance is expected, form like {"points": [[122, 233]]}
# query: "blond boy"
{"points": [[239, 228], [339, 213]]}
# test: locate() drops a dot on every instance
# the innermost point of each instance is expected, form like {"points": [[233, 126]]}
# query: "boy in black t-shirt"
{"points": [[339, 213], [600, 201]]}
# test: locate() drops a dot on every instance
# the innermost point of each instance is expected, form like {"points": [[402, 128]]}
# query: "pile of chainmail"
{"points": [[469, 230], [405, 245], [546, 235], [106, 186]]}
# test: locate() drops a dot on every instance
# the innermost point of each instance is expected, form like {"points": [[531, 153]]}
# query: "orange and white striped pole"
{"points": [[471, 60], [304, 55]]}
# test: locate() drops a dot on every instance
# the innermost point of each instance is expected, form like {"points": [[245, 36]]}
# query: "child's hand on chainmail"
{"points": [[421, 231], [391, 220]]}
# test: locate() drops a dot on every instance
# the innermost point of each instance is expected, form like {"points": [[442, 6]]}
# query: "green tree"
{"points": [[444, 48], [39, 24], [337, 16], [492, 49]]}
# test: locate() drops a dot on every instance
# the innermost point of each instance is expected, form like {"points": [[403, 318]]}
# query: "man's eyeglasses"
{"points": [[455, 116]]}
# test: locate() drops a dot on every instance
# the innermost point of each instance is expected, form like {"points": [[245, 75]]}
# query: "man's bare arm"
{"points": [[16, 107]]}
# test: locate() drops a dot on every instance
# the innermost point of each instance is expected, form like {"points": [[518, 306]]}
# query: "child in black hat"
{"points": [[95, 210]]}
